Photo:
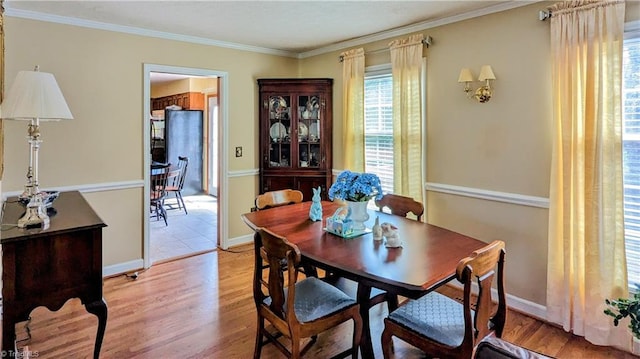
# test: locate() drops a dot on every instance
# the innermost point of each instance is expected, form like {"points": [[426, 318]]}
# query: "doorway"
{"points": [[200, 227]]}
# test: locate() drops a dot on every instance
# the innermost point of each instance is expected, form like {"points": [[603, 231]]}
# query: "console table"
{"points": [[48, 267]]}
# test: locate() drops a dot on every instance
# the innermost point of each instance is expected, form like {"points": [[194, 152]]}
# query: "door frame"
{"points": [[221, 142]]}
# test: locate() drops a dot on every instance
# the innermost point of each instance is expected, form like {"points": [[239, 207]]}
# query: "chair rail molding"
{"points": [[505, 197]]}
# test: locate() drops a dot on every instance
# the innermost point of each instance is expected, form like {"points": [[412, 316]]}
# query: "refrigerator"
{"points": [[183, 136]]}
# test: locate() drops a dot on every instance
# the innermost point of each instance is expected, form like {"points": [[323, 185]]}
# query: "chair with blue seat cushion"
{"points": [[445, 328], [295, 308]]}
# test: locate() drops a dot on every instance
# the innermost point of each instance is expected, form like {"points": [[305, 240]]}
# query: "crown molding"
{"points": [[420, 26], [34, 15]]}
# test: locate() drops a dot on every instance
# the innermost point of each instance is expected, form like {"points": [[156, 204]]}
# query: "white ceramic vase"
{"points": [[359, 214]]}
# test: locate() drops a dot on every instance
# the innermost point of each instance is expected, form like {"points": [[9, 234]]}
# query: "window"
{"points": [[378, 126], [631, 156]]}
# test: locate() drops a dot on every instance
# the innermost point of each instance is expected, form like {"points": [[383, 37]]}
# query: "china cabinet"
{"points": [[295, 134]]}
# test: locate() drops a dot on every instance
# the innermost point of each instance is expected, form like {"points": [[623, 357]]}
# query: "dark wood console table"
{"points": [[48, 267]]}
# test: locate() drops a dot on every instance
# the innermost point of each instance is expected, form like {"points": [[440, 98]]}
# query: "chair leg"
{"points": [[180, 200], [295, 347], [357, 337], [258, 345], [392, 302], [386, 343], [164, 214]]}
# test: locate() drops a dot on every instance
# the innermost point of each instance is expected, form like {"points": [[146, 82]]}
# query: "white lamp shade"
{"points": [[486, 73], [35, 94], [465, 75]]}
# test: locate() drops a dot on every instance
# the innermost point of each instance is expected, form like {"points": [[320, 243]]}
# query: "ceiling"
{"points": [[291, 27]]}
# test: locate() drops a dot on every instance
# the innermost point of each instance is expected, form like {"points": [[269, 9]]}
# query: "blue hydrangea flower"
{"points": [[358, 187]]}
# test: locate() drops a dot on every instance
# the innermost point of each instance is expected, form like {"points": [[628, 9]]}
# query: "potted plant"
{"points": [[356, 189], [626, 307]]}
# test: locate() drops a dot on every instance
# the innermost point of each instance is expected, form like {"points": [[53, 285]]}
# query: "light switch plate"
{"points": [[238, 151]]}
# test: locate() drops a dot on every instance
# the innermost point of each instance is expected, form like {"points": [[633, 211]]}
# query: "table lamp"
{"points": [[35, 96]]}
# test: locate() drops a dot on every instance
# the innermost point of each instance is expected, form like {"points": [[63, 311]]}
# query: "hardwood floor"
{"points": [[202, 307]]}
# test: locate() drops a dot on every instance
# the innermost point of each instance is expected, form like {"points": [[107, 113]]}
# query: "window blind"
{"points": [[378, 128], [631, 157]]}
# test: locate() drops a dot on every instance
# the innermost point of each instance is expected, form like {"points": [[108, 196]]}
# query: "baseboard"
{"points": [[524, 306], [238, 241], [120, 268]]}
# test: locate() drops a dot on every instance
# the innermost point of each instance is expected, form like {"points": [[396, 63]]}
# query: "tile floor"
{"points": [[185, 234]]}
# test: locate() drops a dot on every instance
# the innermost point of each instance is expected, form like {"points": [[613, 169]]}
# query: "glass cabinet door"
{"points": [[309, 134], [280, 131]]}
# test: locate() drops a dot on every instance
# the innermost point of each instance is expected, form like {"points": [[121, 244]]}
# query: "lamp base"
{"points": [[35, 215]]}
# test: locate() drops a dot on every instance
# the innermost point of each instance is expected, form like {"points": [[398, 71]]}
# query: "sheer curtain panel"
{"points": [[353, 109], [586, 256], [406, 67]]}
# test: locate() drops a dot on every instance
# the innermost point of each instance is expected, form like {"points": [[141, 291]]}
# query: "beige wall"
{"points": [[101, 75], [502, 146]]}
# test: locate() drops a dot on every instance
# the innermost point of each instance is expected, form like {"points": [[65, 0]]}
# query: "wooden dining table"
{"points": [[427, 259]]}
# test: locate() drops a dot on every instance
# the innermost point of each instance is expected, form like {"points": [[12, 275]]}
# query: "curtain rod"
{"points": [[428, 41]]}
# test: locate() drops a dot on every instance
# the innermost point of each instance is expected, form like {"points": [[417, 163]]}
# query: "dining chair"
{"points": [[296, 309], [400, 205], [445, 328], [492, 347], [175, 185], [158, 190], [278, 198]]}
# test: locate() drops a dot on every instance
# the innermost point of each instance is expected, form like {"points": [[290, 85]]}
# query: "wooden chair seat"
{"points": [[435, 316], [297, 309], [444, 328]]}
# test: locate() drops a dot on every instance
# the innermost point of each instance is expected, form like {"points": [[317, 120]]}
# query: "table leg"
{"points": [[8, 335], [99, 309], [366, 347]]}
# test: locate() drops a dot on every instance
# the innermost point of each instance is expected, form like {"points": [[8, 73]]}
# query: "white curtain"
{"points": [[406, 67], [586, 256], [353, 109]]}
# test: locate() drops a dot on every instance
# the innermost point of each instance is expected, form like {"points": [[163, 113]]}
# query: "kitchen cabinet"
{"points": [[186, 100], [295, 134]]}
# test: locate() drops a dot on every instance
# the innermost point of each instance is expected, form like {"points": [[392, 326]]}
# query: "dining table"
{"points": [[427, 258]]}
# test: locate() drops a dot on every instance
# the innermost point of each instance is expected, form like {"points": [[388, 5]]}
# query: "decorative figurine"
{"points": [[390, 232], [377, 230], [315, 212]]}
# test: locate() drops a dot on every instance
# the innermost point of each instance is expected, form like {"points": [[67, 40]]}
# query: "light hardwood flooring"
{"points": [[202, 307], [185, 234]]}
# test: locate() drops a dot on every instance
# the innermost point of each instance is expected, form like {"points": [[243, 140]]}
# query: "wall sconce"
{"points": [[483, 93]]}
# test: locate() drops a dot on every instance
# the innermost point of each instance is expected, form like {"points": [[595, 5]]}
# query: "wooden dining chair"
{"points": [[400, 205], [176, 183], [278, 198], [295, 308], [445, 328], [158, 191]]}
